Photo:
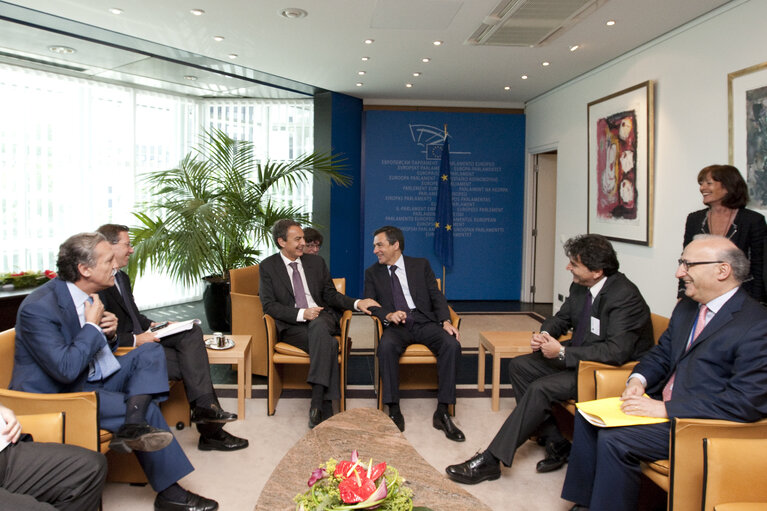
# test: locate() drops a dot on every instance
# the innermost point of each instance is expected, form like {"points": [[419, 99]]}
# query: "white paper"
{"points": [[3, 441], [174, 328]]}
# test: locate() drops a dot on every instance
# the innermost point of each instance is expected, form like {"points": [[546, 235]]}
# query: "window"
{"points": [[72, 152]]}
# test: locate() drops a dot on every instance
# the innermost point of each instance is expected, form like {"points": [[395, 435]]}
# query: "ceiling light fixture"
{"points": [[359, 84], [218, 38], [191, 78], [574, 47], [293, 13], [426, 60], [416, 74], [524, 77], [197, 12], [369, 41], [408, 85], [233, 56], [62, 50], [115, 10], [437, 43], [545, 63], [365, 59], [507, 88], [361, 73], [610, 23]]}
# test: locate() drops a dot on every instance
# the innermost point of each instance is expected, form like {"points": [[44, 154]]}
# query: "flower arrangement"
{"points": [[25, 279], [351, 485]]}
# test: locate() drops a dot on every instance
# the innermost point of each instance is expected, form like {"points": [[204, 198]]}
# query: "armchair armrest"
{"points": [[247, 313], [80, 412], [44, 427], [597, 380], [733, 471]]}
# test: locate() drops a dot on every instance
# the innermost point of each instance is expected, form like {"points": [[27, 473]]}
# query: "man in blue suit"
{"points": [[61, 346], [711, 363]]}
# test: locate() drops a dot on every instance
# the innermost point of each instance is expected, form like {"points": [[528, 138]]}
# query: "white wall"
{"points": [[689, 67]]}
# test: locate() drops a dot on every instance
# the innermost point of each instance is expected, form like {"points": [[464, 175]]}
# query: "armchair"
{"points": [[288, 365], [733, 474], [44, 427], [247, 312]]}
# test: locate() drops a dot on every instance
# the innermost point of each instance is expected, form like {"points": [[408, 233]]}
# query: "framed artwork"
{"points": [[620, 177], [747, 126]]}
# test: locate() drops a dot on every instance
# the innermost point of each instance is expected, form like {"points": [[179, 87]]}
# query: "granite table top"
{"points": [[373, 435]]}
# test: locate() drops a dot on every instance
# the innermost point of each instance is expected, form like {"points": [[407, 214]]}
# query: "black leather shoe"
{"points": [[192, 502], [140, 437], [221, 441], [315, 417], [398, 419], [482, 467], [442, 420], [556, 456], [578, 507], [213, 413]]}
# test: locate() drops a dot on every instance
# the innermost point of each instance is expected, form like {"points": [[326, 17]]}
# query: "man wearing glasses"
{"points": [[312, 241], [711, 363]]}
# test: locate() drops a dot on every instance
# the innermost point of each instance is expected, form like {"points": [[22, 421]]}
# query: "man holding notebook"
{"points": [[185, 352], [711, 363]]}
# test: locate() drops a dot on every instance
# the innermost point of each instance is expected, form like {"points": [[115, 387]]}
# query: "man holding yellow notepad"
{"points": [[711, 363]]}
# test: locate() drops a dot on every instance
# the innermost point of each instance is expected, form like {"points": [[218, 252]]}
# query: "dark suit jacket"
{"points": [[52, 350], [114, 303], [276, 289], [724, 373], [429, 300], [625, 330], [749, 233]]}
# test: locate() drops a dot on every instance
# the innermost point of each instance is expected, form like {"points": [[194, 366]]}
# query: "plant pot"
{"points": [[218, 305]]}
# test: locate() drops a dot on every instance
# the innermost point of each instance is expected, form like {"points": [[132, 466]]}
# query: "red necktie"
{"points": [[700, 323]]}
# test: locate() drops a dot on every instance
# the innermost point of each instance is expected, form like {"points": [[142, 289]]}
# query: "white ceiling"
{"points": [[325, 48]]}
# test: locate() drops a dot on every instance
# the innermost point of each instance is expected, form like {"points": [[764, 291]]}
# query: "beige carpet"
{"points": [[235, 479], [362, 332]]}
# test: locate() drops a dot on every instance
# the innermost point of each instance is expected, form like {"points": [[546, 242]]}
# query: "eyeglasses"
{"points": [[689, 264], [313, 244]]}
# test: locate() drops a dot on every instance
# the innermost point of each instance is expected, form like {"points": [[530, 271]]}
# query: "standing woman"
{"points": [[725, 195]]}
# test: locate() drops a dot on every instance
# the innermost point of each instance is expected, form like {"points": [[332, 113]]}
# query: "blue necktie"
{"points": [[104, 363]]}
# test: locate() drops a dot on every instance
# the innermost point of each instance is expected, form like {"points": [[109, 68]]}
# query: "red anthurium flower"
{"points": [[344, 469], [356, 488], [377, 471]]}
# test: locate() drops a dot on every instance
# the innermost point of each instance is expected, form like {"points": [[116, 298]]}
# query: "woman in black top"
{"points": [[725, 195]]}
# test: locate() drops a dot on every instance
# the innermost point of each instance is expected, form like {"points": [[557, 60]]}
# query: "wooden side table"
{"points": [[239, 355], [501, 345]]}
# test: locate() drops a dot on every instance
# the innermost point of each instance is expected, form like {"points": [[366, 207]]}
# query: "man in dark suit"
{"points": [[61, 346], [297, 291], [710, 363], [185, 352], [67, 477], [612, 325], [413, 310]]}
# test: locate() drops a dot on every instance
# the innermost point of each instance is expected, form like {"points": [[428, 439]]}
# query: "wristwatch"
{"points": [[561, 354]]}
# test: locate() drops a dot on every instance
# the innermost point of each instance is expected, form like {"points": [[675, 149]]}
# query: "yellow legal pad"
{"points": [[607, 413]]}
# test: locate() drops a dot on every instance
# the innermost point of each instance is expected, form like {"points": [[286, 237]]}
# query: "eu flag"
{"points": [[443, 221]]}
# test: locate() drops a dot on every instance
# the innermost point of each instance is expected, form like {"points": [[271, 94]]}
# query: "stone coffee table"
{"points": [[374, 435]]}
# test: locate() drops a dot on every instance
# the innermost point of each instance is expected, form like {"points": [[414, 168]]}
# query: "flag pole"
{"points": [[444, 275]]}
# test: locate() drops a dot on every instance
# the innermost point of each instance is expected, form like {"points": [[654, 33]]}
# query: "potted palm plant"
{"points": [[207, 215]]}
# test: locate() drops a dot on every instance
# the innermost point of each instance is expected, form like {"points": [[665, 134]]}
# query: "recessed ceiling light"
{"points": [[507, 88], [416, 74], [360, 73], [437, 43], [115, 10], [574, 47], [545, 63], [62, 50], [524, 77], [426, 60], [197, 12], [610, 23], [408, 85], [369, 41], [233, 56], [358, 84], [293, 13], [218, 38], [191, 78], [365, 59]]}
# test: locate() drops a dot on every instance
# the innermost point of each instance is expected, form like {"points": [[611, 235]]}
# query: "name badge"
{"points": [[594, 325]]}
